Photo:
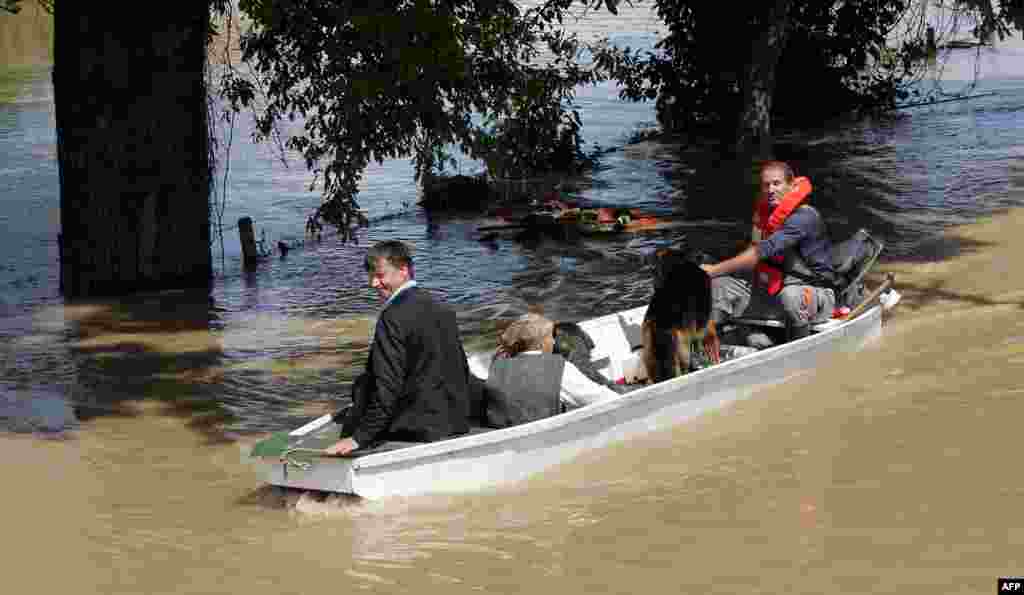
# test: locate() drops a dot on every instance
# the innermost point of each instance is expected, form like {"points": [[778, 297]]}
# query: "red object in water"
{"points": [[840, 312], [504, 213], [605, 215], [620, 380]]}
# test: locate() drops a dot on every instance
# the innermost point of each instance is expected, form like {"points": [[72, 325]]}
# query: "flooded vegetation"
{"points": [[125, 423]]}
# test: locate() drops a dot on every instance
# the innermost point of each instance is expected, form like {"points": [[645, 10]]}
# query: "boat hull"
{"points": [[496, 457]]}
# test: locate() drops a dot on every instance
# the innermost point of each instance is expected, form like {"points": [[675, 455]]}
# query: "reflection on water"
{"points": [[25, 38], [275, 344], [302, 320], [890, 481], [35, 410], [887, 472]]}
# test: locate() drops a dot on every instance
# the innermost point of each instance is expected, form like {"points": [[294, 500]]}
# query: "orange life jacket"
{"points": [[606, 215], [767, 221]]}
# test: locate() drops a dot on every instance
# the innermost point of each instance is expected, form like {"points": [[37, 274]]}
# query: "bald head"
{"points": [[779, 166]]}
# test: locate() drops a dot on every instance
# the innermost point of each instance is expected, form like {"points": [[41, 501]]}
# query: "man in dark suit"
{"points": [[416, 384]]}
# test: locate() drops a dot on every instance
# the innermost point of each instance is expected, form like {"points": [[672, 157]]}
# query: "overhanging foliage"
{"points": [[400, 78], [838, 57]]}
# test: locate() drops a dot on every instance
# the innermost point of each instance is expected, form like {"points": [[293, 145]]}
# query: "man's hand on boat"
{"points": [[341, 447]]}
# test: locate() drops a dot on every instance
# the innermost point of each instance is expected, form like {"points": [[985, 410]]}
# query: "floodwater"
{"points": [[126, 422]]}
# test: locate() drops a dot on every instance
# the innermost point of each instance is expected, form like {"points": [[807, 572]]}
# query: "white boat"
{"points": [[491, 457]]}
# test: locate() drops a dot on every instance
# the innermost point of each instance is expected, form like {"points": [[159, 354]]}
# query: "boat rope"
{"points": [[290, 460]]}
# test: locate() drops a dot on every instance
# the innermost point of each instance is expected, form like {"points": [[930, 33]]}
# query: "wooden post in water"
{"points": [[248, 238], [60, 261]]}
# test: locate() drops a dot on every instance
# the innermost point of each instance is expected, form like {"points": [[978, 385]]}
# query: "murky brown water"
{"points": [[26, 38], [892, 471]]}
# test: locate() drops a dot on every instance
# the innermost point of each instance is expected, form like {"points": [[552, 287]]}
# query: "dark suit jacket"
{"points": [[416, 384]]}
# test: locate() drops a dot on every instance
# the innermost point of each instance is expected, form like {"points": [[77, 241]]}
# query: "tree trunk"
{"points": [[754, 133], [132, 147]]}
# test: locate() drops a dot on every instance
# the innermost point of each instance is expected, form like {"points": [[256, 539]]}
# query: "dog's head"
{"points": [[682, 292], [667, 261]]}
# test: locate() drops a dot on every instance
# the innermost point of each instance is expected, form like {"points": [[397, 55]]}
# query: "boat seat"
{"points": [[766, 314], [777, 323], [614, 341]]}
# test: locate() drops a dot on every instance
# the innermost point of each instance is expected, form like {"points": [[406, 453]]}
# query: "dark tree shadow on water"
{"points": [[169, 351], [849, 196], [928, 293], [918, 296], [159, 348], [859, 181], [42, 411], [945, 246]]}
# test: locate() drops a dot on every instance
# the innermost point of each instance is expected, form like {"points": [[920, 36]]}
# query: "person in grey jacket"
{"points": [[526, 381]]}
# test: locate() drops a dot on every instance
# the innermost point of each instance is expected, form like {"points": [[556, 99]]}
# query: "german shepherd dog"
{"points": [[678, 314]]}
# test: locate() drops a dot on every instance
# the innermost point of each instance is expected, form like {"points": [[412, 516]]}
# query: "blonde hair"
{"points": [[526, 334]]}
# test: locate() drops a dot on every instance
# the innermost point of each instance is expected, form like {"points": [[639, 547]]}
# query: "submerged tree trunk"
{"points": [[132, 147], [754, 133]]}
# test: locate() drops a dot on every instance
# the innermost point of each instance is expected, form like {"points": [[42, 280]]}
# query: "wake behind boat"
{"points": [[487, 457]]}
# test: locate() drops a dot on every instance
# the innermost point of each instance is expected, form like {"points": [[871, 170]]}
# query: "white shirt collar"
{"points": [[391, 298]]}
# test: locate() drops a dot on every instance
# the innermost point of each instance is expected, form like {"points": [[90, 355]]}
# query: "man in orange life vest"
{"points": [[790, 256]]}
